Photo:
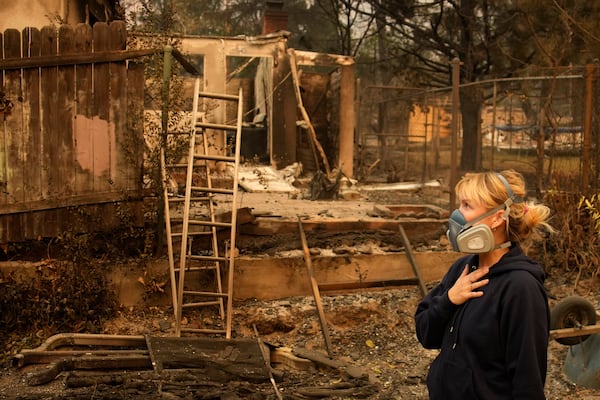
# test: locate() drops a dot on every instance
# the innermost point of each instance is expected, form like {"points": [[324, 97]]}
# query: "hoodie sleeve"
{"points": [[435, 311], [525, 325]]}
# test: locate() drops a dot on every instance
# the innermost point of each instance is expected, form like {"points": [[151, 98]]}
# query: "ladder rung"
{"points": [[198, 330], [202, 267], [212, 125], [206, 258], [179, 220], [203, 233], [214, 157], [212, 190], [210, 223], [175, 133], [222, 96], [203, 303], [182, 199], [181, 165], [197, 268], [199, 233]]}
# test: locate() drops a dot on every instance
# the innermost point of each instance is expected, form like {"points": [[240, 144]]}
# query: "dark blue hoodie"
{"points": [[494, 346]]}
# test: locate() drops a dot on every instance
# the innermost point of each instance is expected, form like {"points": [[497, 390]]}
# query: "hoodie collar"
{"points": [[514, 260]]}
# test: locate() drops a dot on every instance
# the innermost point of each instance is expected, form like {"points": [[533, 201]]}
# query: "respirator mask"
{"points": [[466, 237]]}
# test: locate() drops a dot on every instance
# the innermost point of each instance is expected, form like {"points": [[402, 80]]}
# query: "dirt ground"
{"points": [[370, 330]]}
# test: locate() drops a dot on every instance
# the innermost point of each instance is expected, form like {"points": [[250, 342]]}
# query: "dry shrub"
{"points": [[574, 250], [58, 297]]}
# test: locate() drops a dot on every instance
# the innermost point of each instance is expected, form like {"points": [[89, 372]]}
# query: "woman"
{"points": [[489, 315]]}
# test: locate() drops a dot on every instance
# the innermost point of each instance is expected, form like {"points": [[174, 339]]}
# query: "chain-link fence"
{"points": [[406, 133], [402, 133]]}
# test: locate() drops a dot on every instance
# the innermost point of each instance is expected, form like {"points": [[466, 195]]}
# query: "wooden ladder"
{"points": [[200, 195]]}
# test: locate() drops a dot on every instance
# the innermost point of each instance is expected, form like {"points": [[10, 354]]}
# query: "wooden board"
{"points": [[416, 229], [276, 278]]}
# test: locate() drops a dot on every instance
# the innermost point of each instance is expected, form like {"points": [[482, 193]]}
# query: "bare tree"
{"points": [[491, 38]]}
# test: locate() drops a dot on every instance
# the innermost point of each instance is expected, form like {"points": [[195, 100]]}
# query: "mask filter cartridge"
{"points": [[469, 238]]}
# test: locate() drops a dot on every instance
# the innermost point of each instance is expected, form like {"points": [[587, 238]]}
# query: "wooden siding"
{"points": [[72, 144]]}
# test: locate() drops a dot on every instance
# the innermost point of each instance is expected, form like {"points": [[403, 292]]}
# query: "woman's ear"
{"points": [[505, 213], [500, 216]]}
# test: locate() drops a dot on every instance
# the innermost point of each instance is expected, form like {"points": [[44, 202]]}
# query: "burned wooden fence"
{"points": [[71, 143]]}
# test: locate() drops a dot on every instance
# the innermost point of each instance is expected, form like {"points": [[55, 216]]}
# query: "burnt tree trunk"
{"points": [[470, 107]]}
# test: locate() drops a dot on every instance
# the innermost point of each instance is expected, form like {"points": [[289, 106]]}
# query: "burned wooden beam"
{"points": [[323, 359], [343, 286], [416, 229], [315, 288], [51, 371]]}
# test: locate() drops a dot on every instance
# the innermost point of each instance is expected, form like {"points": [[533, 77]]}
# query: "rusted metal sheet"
{"points": [[67, 142], [582, 363], [240, 358]]}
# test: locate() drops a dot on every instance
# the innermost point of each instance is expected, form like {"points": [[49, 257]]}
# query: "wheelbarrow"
{"points": [[573, 323]]}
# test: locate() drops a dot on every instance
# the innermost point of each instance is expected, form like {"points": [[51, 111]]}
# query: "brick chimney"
{"points": [[275, 18]]}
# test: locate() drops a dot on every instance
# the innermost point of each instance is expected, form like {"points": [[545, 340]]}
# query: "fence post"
{"points": [[493, 130], [165, 92], [347, 119], [455, 112], [167, 58], [587, 129]]}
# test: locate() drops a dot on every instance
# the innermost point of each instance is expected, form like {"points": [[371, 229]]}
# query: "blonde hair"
{"points": [[526, 220]]}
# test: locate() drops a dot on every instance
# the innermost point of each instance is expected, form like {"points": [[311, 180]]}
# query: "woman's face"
{"points": [[471, 210]]}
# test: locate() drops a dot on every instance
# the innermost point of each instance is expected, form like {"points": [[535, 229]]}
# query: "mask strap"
{"points": [[482, 216], [512, 199]]}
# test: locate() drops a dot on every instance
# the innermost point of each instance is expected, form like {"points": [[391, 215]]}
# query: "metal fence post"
{"points": [[587, 129]]}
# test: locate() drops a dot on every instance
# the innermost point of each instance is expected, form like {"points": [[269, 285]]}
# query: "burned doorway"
{"points": [[254, 76], [317, 87]]}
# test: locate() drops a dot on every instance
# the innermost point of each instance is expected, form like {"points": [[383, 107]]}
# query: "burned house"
{"points": [[73, 148], [279, 129]]}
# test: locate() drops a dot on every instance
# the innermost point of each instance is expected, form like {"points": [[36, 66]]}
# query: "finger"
{"points": [[465, 271], [479, 284], [478, 274]]}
